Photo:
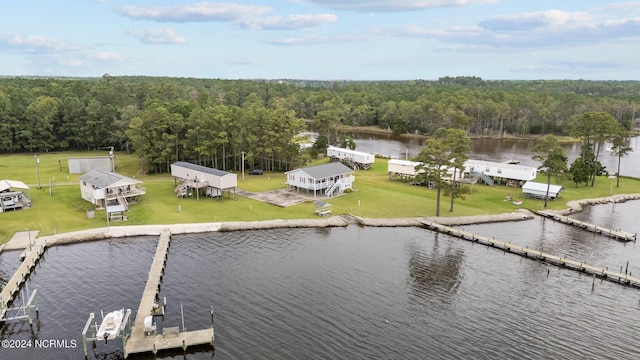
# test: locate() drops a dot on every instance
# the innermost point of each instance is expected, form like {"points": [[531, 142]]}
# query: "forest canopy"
{"points": [[211, 122]]}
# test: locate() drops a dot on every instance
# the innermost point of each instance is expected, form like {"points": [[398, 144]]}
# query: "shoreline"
{"points": [[104, 233]]}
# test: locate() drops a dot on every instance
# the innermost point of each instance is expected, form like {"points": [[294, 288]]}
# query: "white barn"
{"points": [[352, 158], [197, 177], [103, 188], [514, 174], [539, 190], [330, 178]]}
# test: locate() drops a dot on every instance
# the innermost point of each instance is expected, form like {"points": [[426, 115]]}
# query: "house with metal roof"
{"points": [[328, 178], [195, 177], [489, 172], [107, 189], [353, 159]]}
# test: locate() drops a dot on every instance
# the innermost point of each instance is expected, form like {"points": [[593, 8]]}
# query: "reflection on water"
{"points": [[435, 270], [357, 293]]}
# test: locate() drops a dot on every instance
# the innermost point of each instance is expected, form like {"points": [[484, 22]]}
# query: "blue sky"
{"points": [[323, 39]]}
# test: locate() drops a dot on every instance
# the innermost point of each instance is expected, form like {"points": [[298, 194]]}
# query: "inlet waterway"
{"points": [[354, 292]]}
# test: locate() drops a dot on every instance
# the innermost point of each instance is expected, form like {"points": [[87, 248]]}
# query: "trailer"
{"points": [[353, 159]]}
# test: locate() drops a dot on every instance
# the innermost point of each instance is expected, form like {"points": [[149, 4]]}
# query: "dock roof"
{"points": [[8, 184]]}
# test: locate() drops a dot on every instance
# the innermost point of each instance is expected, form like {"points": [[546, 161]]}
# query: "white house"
{"points": [[330, 178], [197, 176], [352, 158], [103, 188], [514, 174], [539, 190]]}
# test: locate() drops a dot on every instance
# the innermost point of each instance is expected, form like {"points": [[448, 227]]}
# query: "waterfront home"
{"points": [[196, 177], [351, 158], [508, 174], [103, 188], [328, 178]]}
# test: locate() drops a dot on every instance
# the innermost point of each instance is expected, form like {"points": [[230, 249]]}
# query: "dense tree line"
{"points": [[212, 122]]}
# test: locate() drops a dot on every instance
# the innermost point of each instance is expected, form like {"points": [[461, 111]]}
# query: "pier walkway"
{"points": [[31, 258], [172, 338], [536, 254], [614, 234]]}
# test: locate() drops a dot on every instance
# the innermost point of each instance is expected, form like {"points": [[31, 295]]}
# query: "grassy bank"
{"points": [[375, 196]]}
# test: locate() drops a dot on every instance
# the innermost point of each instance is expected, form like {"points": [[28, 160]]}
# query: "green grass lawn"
{"points": [[374, 196]]}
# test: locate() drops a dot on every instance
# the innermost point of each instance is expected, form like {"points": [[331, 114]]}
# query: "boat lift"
{"points": [[123, 329], [24, 311]]}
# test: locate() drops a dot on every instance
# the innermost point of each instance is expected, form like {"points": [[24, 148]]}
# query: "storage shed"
{"points": [[81, 165], [539, 190]]}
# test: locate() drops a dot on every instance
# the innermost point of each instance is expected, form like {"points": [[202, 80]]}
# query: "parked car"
{"points": [[256, 172]]}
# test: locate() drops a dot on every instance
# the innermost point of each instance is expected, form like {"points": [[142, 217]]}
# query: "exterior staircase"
{"points": [[329, 192], [487, 179]]}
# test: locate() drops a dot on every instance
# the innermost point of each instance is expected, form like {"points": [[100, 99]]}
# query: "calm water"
{"points": [[494, 150], [355, 293]]}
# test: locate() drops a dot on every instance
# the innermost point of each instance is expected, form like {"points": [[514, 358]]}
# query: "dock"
{"points": [[581, 266], [614, 234], [31, 258], [140, 342]]}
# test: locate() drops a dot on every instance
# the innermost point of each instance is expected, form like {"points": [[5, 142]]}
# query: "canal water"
{"points": [[498, 150], [354, 293]]}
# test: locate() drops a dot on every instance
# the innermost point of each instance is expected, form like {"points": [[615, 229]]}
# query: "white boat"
{"points": [[110, 327]]}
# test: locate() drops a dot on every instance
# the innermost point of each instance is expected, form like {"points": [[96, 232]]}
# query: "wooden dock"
{"points": [[614, 234], [172, 338], [536, 255], [20, 276]]}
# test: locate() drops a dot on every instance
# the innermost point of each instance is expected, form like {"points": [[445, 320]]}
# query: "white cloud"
{"points": [[35, 43], [628, 5], [542, 29], [541, 19], [291, 22], [396, 5], [158, 36], [199, 12]]}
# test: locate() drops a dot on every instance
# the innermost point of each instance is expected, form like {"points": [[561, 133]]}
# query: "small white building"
{"points": [[330, 178], [197, 177], [103, 188], [81, 165], [539, 190], [513, 174], [352, 158]]}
